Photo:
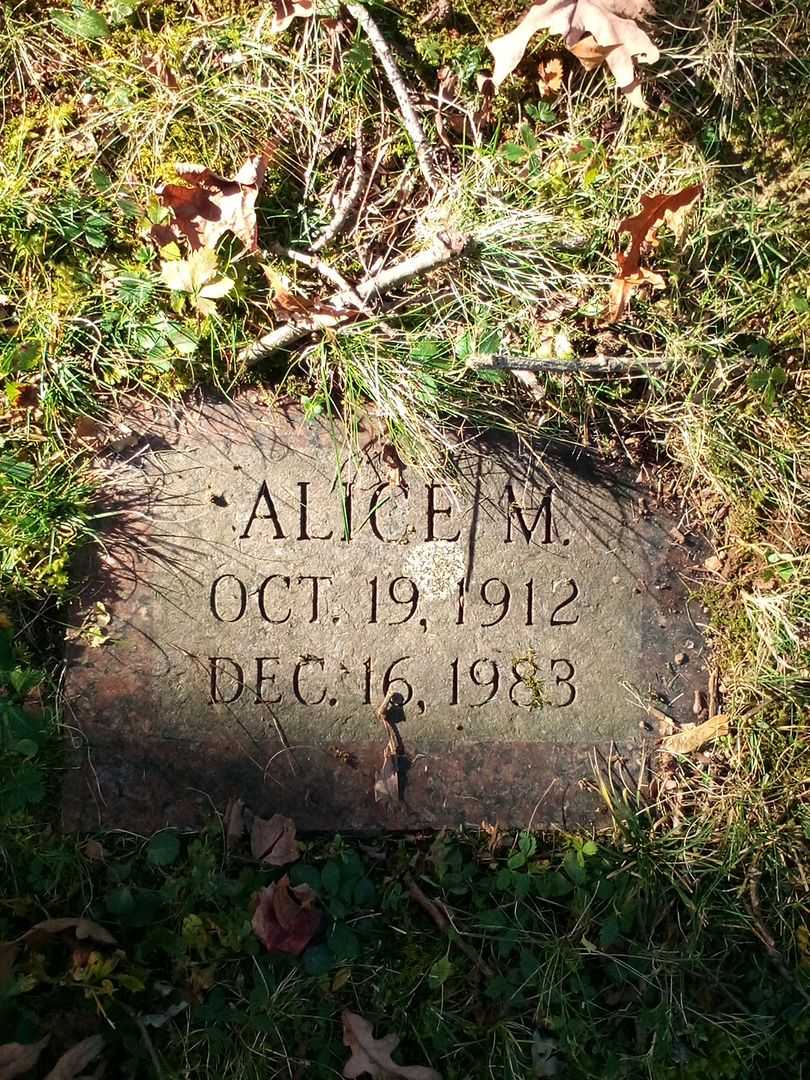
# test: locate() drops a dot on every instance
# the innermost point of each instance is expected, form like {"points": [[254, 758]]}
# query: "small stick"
{"points": [[420, 144], [583, 365], [324, 269], [442, 921], [349, 204], [442, 250], [714, 679]]}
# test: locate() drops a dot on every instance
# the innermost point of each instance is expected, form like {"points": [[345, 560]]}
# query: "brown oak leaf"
{"points": [[373, 1056], [272, 840], [596, 31], [284, 11], [656, 210], [285, 919], [212, 205]]}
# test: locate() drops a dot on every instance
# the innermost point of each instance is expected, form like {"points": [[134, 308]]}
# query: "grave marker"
{"points": [[267, 588]]}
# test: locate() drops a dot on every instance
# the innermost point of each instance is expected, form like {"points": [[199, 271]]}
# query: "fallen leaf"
{"points": [[656, 210], [212, 205], [714, 564], [684, 742], [72, 1063], [623, 288], [83, 930], [614, 40], [285, 919], [388, 779], [19, 1058], [284, 11], [22, 395], [234, 822], [550, 76], [272, 840], [94, 850], [394, 466], [373, 1056], [155, 64]]}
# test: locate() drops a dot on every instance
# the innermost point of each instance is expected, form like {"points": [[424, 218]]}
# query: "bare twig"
{"points": [[441, 920], [443, 249], [349, 204], [714, 680], [424, 154], [764, 934], [324, 270], [583, 365]]}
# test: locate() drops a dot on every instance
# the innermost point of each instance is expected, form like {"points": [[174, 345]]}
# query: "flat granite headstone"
{"points": [[265, 585]]}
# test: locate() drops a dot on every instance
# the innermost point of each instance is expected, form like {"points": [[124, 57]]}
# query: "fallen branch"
{"points": [[349, 204], [424, 154], [443, 922], [443, 249]]}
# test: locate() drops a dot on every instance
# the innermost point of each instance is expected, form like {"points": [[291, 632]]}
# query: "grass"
{"points": [[676, 946]]}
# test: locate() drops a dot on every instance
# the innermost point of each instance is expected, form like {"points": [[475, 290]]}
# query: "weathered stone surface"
{"points": [[266, 588]]}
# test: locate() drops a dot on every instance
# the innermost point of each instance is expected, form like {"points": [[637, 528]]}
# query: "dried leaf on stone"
{"points": [[19, 1058], [642, 227], [684, 742], [393, 465], [373, 1056], [285, 919], [272, 840], [613, 38], [71, 1064], [388, 779], [212, 205], [284, 11], [550, 76]]}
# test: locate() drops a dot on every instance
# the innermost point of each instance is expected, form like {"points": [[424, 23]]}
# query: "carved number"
{"points": [[565, 680], [572, 595]]}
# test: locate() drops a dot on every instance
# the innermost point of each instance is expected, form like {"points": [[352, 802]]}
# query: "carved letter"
{"points": [[315, 593], [262, 590], [296, 679], [212, 600], [433, 510], [216, 692], [304, 511], [271, 515], [261, 679], [528, 530], [374, 506]]}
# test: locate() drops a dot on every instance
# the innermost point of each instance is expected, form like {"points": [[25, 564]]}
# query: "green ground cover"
{"points": [[678, 943]]}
